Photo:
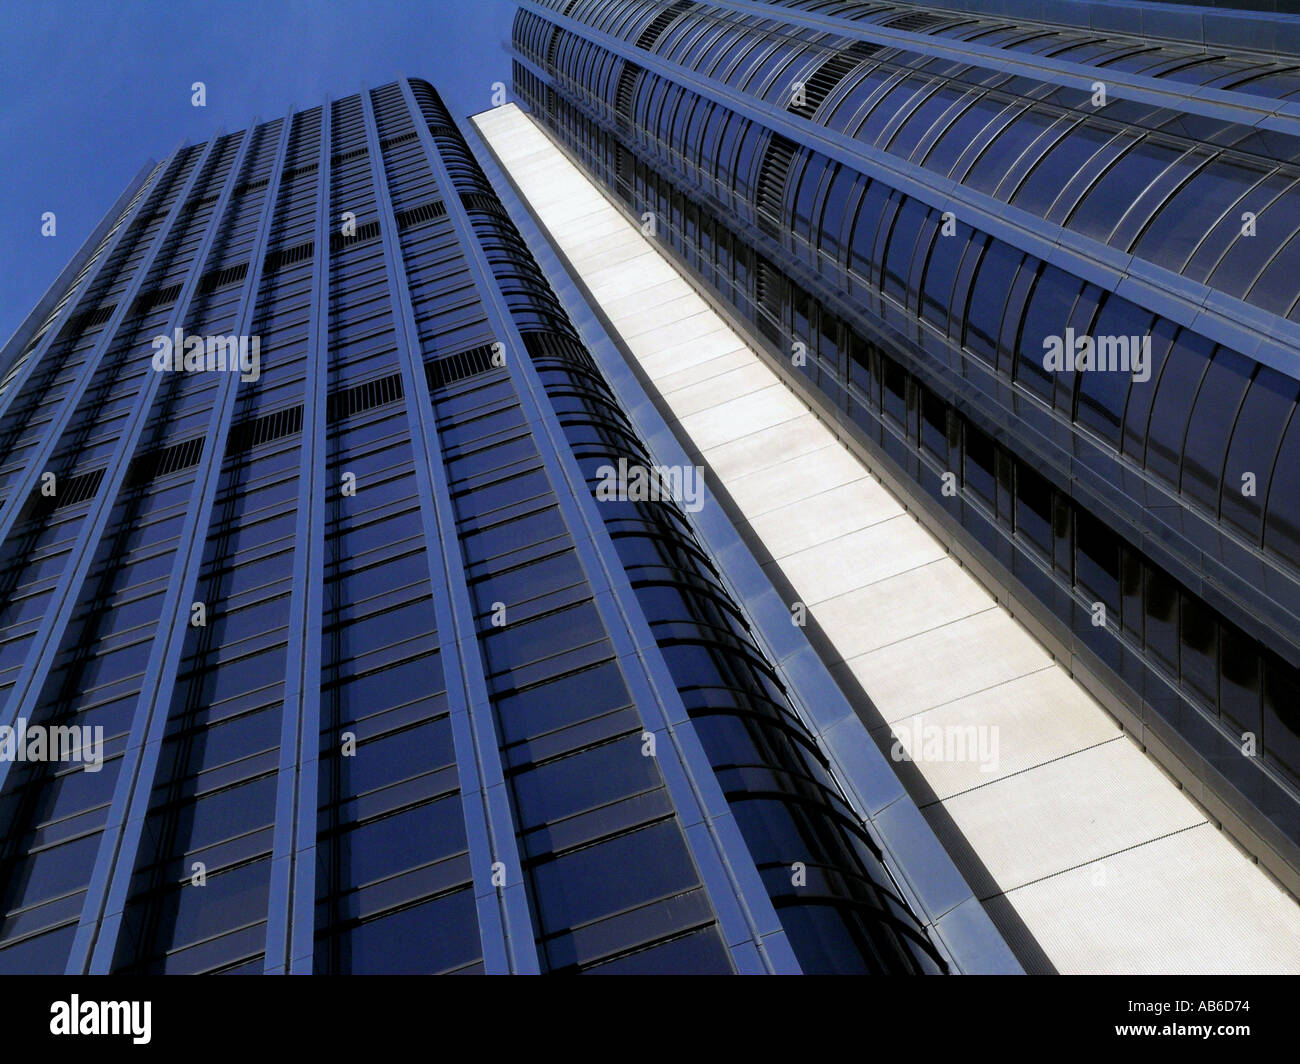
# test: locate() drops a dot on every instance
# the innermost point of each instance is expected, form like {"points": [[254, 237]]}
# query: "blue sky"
{"points": [[92, 89]]}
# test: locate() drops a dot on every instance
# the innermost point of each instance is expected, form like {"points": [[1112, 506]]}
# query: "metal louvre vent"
{"points": [[278, 260], [543, 345], [655, 29], [88, 319], [826, 77], [72, 491], [553, 48], [773, 172], [346, 156], [916, 22], [401, 138], [154, 464], [265, 429], [442, 372], [767, 298], [477, 201], [425, 212], [362, 397], [215, 279], [625, 94], [369, 231], [155, 297], [623, 169], [252, 186], [298, 171]]}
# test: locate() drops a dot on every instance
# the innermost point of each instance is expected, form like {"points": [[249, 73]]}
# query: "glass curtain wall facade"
{"points": [[921, 199], [381, 687]]}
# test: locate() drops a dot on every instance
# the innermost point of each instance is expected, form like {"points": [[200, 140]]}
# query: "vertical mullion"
{"points": [[23, 696], [101, 919], [505, 925], [290, 932]]}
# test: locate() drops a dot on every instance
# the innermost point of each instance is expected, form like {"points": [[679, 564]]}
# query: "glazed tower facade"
{"points": [[382, 687]]}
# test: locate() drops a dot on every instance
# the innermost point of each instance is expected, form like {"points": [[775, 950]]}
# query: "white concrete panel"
{"points": [[899, 607], [820, 518], [860, 558], [947, 663]]}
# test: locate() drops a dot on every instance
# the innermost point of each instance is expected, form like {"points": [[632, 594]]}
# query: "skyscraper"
{"points": [[1037, 277], [322, 650]]}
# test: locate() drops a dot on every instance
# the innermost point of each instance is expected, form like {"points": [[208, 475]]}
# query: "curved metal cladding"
{"points": [[933, 205], [848, 915]]}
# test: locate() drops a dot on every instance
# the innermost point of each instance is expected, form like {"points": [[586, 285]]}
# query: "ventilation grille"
{"points": [[773, 171], [298, 171], [154, 464], [345, 156], [477, 201], [623, 169], [767, 289], [88, 319], [442, 372], [426, 212], [276, 425], [155, 297], [625, 94], [362, 397], [278, 260], [661, 21], [823, 82], [265, 429], [69, 493], [369, 231], [252, 186], [393, 142], [915, 23], [553, 48], [214, 279]]}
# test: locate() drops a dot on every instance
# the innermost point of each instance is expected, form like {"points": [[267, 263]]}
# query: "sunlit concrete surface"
{"points": [[1079, 846]]}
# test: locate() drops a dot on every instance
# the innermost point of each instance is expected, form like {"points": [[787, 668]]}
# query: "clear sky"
{"points": [[92, 89]]}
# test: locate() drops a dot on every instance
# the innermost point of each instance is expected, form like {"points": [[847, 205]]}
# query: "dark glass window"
{"points": [[1240, 682], [1256, 438], [1179, 381], [1053, 172], [979, 470], [1005, 149], [1211, 424], [902, 246], [1282, 524], [988, 298], [1172, 235], [1198, 649], [1034, 509], [1280, 733], [941, 273], [1160, 606], [1048, 313], [1103, 395], [1105, 203]]}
